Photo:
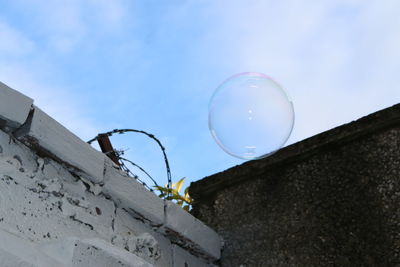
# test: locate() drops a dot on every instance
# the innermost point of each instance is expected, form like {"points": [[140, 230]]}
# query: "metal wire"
{"points": [[134, 176], [126, 169], [140, 168]]}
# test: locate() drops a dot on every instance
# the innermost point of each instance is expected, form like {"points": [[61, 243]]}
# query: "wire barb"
{"points": [[122, 160]]}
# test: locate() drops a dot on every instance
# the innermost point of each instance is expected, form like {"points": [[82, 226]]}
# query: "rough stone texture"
{"points": [[14, 108], [331, 200]]}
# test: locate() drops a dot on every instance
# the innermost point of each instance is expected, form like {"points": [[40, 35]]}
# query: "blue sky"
{"points": [[96, 65]]}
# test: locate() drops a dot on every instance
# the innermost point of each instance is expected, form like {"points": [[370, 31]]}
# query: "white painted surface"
{"points": [[17, 252], [78, 192], [132, 196], [14, 107], [53, 137], [96, 253], [11, 260], [127, 229], [195, 231], [92, 253], [42, 202]]}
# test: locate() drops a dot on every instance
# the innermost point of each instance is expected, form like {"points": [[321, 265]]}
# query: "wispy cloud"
{"points": [[96, 65], [55, 100], [23, 67], [338, 59]]}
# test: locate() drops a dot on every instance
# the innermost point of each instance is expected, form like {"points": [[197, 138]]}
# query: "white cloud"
{"points": [[26, 72], [64, 25], [27, 59], [54, 100], [338, 59]]}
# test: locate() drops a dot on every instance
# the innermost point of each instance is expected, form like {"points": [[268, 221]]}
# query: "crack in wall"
{"points": [[51, 196], [73, 217]]}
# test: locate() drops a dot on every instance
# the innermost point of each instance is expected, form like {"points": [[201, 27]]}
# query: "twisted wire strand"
{"points": [[140, 168], [134, 176], [126, 169]]}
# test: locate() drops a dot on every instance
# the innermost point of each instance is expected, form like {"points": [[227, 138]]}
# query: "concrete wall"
{"points": [[331, 200], [62, 203]]}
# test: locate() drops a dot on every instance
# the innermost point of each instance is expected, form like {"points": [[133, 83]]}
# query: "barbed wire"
{"points": [[140, 168], [126, 169], [134, 176]]}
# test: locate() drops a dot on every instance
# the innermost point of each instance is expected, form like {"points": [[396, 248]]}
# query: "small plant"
{"points": [[185, 201]]}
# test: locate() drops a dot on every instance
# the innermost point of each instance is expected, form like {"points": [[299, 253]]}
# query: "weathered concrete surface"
{"points": [[54, 187], [43, 204], [191, 232], [14, 108], [132, 196], [140, 238], [331, 200], [17, 252], [91, 252], [50, 139]]}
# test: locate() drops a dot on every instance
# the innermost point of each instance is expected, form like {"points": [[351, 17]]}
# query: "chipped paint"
{"points": [[59, 195]]}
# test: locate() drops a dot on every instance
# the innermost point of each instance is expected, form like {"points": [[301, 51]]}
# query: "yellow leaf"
{"points": [[179, 184], [172, 194]]}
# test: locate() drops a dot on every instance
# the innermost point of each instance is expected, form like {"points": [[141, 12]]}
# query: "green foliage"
{"points": [[185, 201]]}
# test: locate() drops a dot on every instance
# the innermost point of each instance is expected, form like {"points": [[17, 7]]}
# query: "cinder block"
{"points": [[183, 258], [132, 196], [191, 232], [14, 108], [50, 139]]}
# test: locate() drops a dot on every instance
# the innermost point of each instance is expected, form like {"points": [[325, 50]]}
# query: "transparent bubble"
{"points": [[250, 116]]}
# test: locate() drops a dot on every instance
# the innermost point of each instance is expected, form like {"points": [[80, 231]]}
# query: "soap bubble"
{"points": [[250, 116]]}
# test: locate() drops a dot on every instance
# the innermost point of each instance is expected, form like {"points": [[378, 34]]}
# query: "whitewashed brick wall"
{"points": [[63, 203]]}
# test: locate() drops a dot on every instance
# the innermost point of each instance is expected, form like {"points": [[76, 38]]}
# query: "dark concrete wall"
{"points": [[330, 200]]}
